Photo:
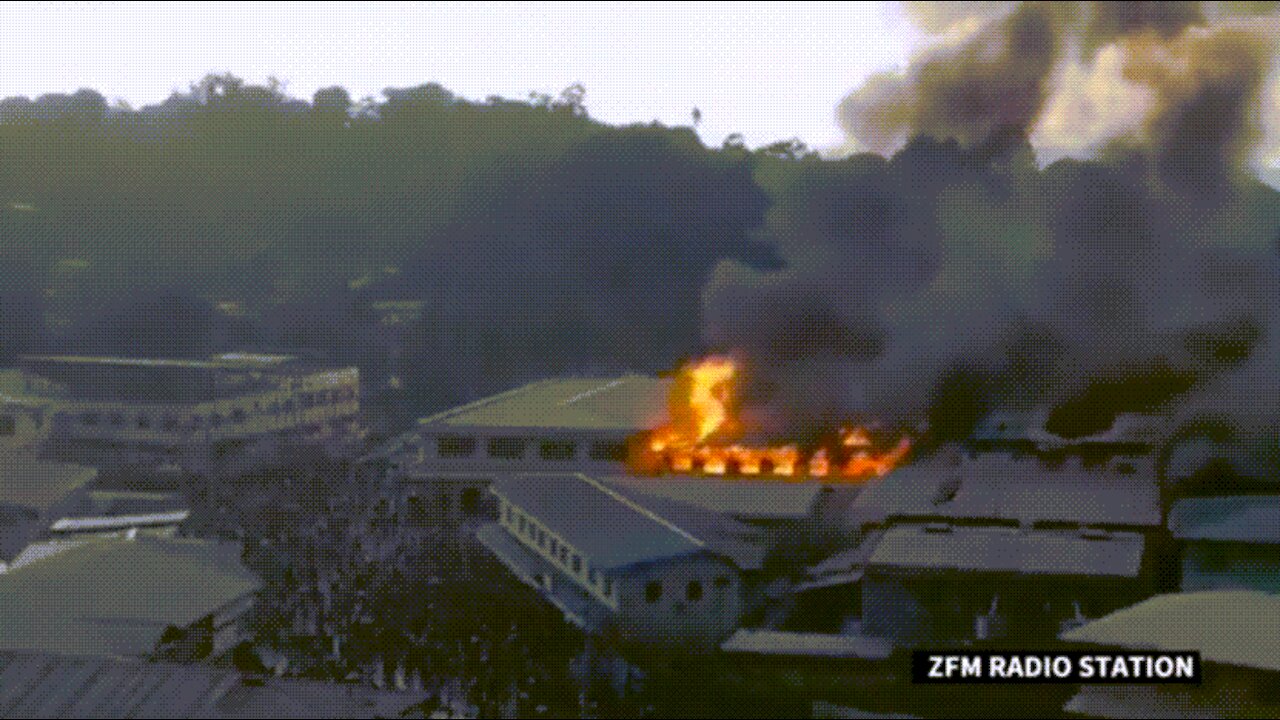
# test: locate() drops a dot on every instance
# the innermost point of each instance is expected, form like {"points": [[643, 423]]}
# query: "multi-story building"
{"points": [[196, 413]]}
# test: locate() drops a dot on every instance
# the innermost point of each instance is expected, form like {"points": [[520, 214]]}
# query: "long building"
{"points": [[109, 410]]}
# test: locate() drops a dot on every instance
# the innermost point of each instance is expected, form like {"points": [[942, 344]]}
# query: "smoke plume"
{"points": [[1063, 209]]}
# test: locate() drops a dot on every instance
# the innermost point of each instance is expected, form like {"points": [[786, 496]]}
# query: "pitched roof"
{"points": [[114, 596], [78, 686], [35, 484], [993, 549], [1246, 518], [1229, 627], [631, 403], [1256, 458], [610, 529], [743, 498], [999, 487]]}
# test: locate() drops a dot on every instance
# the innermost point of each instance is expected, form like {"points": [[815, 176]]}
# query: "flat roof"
{"points": [[1229, 627], [1253, 458], [795, 644], [611, 530], [999, 487], [221, 361], [117, 596], [36, 484], [1243, 518], [994, 549], [631, 404], [743, 498]]}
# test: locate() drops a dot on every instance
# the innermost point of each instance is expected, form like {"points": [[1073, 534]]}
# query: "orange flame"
{"points": [[701, 408]]}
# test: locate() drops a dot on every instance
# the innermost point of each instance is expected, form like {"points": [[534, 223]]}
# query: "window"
{"points": [[564, 554], [507, 448], [542, 538], [471, 501], [593, 577], [116, 419], [555, 547], [455, 446], [693, 591], [288, 406], [144, 422], [89, 418], [8, 425], [307, 401], [274, 408], [509, 515], [237, 415], [558, 450], [215, 420], [169, 422], [608, 451], [608, 586], [522, 523], [653, 592], [577, 564]]}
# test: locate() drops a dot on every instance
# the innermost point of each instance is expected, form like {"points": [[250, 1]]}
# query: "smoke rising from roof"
{"points": [[960, 273]]}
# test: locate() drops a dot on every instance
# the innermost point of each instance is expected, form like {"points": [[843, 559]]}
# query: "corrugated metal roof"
{"points": [[1247, 518], [56, 686], [988, 549], [774, 642], [116, 596], [1000, 487], [1255, 459], [1229, 627], [745, 545], [610, 529], [744, 498], [29, 482], [632, 403]]}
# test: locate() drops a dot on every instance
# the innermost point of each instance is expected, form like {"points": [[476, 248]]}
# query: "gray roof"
{"points": [[823, 645], [999, 487], [1140, 702], [116, 596], [1030, 426], [627, 404], [994, 549], [610, 529], [743, 498], [56, 686], [1229, 627], [745, 545], [38, 485], [1247, 518]]}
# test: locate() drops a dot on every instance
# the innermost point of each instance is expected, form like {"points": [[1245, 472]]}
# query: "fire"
{"points": [[703, 421]]}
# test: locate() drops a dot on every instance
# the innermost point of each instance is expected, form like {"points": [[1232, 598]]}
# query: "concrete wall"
{"points": [[675, 617]]}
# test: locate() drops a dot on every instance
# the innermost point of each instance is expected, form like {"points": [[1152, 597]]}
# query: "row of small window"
{"points": [[692, 591], [238, 415], [536, 534], [511, 448]]}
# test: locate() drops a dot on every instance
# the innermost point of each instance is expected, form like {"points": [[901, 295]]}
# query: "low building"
{"points": [[197, 413], [1228, 542], [964, 549], [1236, 634], [443, 467], [137, 597], [34, 494], [617, 568], [46, 685]]}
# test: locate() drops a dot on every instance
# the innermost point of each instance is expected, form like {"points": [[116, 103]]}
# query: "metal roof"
{"points": [[1246, 518], [743, 498], [610, 529], [824, 645], [1010, 550], [116, 596], [631, 404], [999, 487], [56, 686], [35, 484], [1229, 627], [1257, 459]]}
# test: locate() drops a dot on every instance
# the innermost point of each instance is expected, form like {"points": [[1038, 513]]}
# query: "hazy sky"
{"points": [[769, 71]]}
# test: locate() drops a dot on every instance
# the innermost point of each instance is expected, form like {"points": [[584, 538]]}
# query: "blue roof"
{"points": [[610, 529], [1241, 518]]}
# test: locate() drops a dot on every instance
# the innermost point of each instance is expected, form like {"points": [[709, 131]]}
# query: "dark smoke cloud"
{"points": [[995, 84], [957, 276]]}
